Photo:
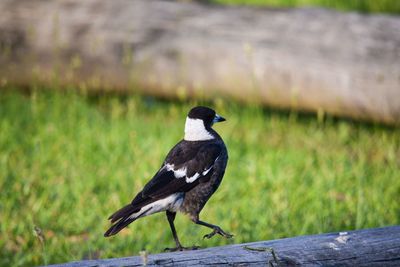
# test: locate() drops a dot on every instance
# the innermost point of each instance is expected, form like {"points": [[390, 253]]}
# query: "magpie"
{"points": [[189, 175]]}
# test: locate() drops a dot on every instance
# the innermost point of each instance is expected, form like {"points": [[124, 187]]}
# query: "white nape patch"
{"points": [[171, 203], [195, 130]]}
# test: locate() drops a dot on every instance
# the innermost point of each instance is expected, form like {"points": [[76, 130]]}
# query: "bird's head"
{"points": [[199, 122]]}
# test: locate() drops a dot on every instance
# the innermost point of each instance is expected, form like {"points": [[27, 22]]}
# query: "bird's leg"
{"points": [[171, 218], [216, 229], [179, 247]]}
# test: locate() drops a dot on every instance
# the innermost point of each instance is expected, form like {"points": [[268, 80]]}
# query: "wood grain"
{"points": [[369, 247]]}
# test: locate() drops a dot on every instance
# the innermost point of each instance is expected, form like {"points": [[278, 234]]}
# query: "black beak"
{"points": [[218, 118]]}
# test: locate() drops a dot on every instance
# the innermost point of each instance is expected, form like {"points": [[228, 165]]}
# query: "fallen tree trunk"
{"points": [[313, 59], [372, 247]]}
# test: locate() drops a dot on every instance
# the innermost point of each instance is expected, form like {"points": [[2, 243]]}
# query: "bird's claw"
{"points": [[181, 249], [208, 236], [217, 230]]}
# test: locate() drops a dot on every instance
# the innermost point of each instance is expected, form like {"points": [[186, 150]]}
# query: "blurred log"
{"points": [[372, 247], [309, 59]]}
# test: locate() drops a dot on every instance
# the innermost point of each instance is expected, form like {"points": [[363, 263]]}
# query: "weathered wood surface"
{"points": [[371, 247], [342, 63]]}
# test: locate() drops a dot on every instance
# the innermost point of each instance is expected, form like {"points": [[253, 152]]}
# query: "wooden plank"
{"points": [[311, 59], [369, 247]]}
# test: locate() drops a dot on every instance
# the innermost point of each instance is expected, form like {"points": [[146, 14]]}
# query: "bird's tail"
{"points": [[123, 217]]}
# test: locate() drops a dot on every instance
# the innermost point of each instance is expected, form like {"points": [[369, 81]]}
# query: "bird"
{"points": [[190, 174]]}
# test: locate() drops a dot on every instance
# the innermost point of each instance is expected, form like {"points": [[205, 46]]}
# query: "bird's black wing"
{"points": [[183, 169], [181, 173]]}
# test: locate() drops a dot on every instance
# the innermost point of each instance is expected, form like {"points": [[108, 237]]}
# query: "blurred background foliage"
{"points": [[68, 160], [365, 6]]}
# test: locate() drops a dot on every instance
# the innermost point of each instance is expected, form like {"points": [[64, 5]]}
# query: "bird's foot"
{"points": [[218, 230], [180, 248]]}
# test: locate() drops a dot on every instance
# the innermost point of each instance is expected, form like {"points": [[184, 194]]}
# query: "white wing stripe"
{"points": [[195, 130], [206, 171], [193, 178], [171, 203], [179, 173]]}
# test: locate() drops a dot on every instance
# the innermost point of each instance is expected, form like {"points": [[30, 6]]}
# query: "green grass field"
{"points": [[67, 161], [365, 6]]}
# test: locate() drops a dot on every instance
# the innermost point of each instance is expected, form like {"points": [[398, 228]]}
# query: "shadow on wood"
{"points": [[370, 247]]}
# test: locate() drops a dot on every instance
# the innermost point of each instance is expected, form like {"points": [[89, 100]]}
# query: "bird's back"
{"points": [[197, 197]]}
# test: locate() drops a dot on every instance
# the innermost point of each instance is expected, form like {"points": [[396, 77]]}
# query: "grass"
{"points": [[365, 6], [67, 161]]}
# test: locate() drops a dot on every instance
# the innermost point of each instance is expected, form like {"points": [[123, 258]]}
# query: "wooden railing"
{"points": [[370, 247]]}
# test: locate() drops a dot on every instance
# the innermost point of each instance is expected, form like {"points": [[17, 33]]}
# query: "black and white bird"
{"points": [[190, 174]]}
